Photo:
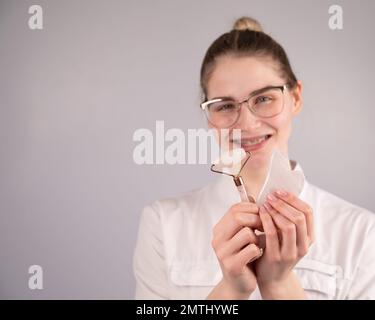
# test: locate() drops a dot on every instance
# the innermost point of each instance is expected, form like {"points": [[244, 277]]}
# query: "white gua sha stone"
{"points": [[280, 176]]}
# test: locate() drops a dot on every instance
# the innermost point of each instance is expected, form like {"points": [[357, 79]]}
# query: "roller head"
{"points": [[230, 162]]}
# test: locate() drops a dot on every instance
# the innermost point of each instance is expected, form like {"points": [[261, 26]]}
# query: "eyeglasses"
{"points": [[264, 103]]}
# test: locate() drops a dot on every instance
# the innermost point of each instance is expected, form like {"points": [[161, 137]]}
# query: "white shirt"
{"points": [[174, 259]]}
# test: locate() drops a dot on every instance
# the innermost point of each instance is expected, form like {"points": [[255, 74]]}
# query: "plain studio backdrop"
{"points": [[73, 94]]}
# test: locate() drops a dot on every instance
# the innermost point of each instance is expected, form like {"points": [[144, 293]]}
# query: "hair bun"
{"points": [[247, 23]]}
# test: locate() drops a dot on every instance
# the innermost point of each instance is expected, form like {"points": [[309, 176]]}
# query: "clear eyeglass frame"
{"points": [[206, 104]]}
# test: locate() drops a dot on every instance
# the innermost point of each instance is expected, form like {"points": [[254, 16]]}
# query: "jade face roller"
{"points": [[231, 163]]}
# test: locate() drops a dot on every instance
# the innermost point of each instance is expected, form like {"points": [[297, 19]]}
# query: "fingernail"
{"points": [[271, 197], [258, 256], [281, 193], [260, 252], [267, 206]]}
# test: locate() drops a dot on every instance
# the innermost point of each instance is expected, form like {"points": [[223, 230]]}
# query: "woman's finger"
{"points": [[288, 246], [239, 241], [248, 254], [296, 217], [301, 206], [270, 231], [238, 216], [229, 227]]}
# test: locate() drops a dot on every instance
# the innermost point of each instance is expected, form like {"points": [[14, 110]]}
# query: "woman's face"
{"points": [[237, 77]]}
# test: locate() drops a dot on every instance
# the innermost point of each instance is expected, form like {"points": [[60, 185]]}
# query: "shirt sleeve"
{"points": [[149, 264], [363, 283]]}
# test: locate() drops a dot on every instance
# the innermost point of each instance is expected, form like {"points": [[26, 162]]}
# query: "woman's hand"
{"points": [[288, 226], [235, 246]]}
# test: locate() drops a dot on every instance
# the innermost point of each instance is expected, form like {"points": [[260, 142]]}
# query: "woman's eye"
{"points": [[262, 99], [226, 107]]}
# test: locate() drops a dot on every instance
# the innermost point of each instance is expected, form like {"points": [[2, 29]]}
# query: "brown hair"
{"points": [[246, 39]]}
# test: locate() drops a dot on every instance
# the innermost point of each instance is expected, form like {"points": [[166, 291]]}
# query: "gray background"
{"points": [[73, 94]]}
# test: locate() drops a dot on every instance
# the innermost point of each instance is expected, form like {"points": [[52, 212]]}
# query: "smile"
{"points": [[252, 144]]}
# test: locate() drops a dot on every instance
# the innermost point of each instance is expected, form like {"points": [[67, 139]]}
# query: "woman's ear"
{"points": [[296, 95]]}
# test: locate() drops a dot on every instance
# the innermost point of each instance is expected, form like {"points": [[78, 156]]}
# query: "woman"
{"points": [[203, 245]]}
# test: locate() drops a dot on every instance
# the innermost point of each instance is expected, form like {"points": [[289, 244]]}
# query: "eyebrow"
{"points": [[254, 93]]}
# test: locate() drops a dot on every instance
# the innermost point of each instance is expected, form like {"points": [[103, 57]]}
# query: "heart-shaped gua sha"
{"points": [[230, 162], [280, 176]]}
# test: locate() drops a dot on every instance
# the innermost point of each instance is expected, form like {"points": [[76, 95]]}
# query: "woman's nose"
{"points": [[247, 119]]}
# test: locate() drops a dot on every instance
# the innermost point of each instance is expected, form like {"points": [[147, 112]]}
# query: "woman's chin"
{"points": [[258, 161]]}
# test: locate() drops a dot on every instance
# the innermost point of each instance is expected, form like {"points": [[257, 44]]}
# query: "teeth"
{"points": [[251, 141], [255, 141]]}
